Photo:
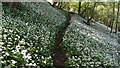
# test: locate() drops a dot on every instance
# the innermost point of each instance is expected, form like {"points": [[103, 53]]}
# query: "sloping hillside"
{"points": [[30, 30], [28, 37], [89, 45]]}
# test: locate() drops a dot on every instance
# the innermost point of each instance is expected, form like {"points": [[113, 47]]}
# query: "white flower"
{"points": [[7, 54], [14, 61]]}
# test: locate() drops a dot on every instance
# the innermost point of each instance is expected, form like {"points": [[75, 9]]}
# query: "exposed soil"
{"points": [[59, 55]]}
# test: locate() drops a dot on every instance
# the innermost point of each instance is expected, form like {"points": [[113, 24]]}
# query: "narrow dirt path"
{"points": [[59, 57]]}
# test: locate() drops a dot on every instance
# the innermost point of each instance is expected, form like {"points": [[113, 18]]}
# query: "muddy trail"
{"points": [[59, 55]]}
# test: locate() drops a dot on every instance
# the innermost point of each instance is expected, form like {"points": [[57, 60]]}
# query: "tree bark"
{"points": [[112, 23], [116, 30], [79, 8]]}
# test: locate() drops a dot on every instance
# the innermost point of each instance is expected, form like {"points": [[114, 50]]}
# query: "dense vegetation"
{"points": [[28, 35]]}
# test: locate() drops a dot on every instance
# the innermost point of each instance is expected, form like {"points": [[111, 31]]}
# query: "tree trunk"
{"points": [[54, 4], [86, 7], [112, 23], [59, 5], [92, 12], [116, 30], [66, 3], [79, 8], [11, 4]]}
